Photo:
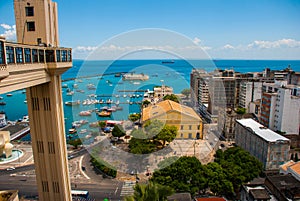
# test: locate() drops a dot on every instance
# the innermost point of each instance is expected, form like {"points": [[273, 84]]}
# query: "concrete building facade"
{"points": [[267, 146], [280, 107], [36, 63], [36, 22], [250, 91]]}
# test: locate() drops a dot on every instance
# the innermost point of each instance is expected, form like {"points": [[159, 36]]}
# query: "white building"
{"points": [[249, 92], [280, 109], [267, 146]]}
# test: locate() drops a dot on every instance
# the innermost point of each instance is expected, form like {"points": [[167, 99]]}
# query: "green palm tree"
{"points": [[150, 192]]}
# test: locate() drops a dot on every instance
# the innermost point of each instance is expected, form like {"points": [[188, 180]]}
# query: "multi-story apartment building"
{"points": [[267, 146], [250, 91], [161, 91], [280, 107], [226, 123]]}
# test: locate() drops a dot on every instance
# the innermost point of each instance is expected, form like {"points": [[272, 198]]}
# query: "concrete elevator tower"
{"points": [[41, 62]]}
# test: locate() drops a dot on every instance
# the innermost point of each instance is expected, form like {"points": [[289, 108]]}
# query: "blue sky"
{"points": [[228, 29]]}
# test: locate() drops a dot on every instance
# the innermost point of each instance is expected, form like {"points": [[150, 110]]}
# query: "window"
{"points": [[69, 55], [57, 55], [10, 55], [64, 55], [19, 55], [190, 127], [49, 55], [190, 135], [30, 26], [27, 55], [181, 127], [29, 11], [35, 57], [1, 53], [41, 56], [181, 135]]}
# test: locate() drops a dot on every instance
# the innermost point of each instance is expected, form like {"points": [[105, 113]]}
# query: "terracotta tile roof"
{"points": [[286, 165], [163, 107], [295, 167]]}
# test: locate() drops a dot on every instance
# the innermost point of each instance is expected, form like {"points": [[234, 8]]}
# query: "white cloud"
{"points": [[84, 49], [196, 41], [228, 46], [9, 32], [290, 43], [5, 26]]}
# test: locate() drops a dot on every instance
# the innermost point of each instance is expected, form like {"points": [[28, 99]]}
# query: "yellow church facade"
{"points": [[187, 121]]}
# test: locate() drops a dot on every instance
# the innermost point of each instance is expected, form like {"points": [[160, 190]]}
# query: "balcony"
{"points": [[23, 65]]}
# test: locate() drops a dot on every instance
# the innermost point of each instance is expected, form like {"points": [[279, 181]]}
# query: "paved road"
{"points": [[26, 185]]}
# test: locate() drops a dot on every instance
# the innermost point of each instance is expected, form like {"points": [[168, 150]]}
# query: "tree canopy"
{"points": [[150, 192], [171, 97], [186, 92], [118, 132], [230, 170]]}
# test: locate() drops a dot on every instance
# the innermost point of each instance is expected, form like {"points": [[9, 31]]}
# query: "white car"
{"points": [[10, 168]]}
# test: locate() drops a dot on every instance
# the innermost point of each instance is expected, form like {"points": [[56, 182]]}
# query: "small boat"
{"points": [[2, 103], [71, 93], [119, 108], [72, 102], [72, 131], [82, 131], [136, 83], [118, 75], [85, 113], [8, 95], [112, 109], [25, 101], [1, 97], [75, 86], [91, 86], [104, 113], [64, 86], [80, 90], [168, 62]]}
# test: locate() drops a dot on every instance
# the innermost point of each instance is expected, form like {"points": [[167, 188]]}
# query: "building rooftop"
{"points": [[295, 167], [211, 199], [261, 131], [285, 166], [163, 107], [259, 194]]}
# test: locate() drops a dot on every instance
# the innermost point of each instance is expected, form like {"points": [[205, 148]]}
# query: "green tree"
{"points": [[75, 142], [146, 103], [104, 167], [167, 134], [171, 97], [102, 124], [184, 175], [153, 127], [241, 110], [186, 92], [134, 117], [150, 192], [117, 131], [141, 146]]}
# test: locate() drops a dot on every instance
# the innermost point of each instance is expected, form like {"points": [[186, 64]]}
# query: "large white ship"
{"points": [[134, 76]]}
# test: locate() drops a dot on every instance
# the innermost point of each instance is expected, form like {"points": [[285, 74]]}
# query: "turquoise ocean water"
{"points": [[101, 74]]}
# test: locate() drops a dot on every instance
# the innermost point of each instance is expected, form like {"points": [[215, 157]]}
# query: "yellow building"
{"points": [[187, 121]]}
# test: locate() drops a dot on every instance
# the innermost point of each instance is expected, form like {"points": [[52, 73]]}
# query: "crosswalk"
{"points": [[127, 188]]}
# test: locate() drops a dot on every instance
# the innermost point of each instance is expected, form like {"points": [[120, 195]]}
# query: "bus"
{"points": [[79, 194]]}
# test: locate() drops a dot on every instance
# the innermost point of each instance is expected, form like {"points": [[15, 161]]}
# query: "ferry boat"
{"points": [[134, 76]]}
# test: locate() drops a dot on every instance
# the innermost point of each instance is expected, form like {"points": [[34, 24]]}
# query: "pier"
{"points": [[17, 130]]}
